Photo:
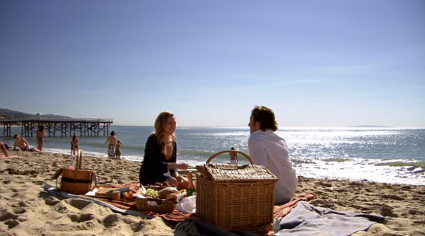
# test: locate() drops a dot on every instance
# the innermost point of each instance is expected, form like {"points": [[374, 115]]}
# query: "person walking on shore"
{"points": [[118, 150], [112, 140], [40, 137], [269, 149], [22, 144], [75, 145]]}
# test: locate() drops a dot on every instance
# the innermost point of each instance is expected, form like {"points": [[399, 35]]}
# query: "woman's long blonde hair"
{"points": [[160, 123]]}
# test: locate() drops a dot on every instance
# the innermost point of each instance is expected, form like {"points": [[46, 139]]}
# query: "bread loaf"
{"points": [[166, 191], [172, 197]]}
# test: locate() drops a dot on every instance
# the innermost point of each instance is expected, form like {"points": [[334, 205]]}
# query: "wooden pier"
{"points": [[63, 126]]}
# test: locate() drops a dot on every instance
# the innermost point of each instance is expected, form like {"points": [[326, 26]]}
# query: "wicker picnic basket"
{"points": [[76, 181], [235, 197], [155, 205]]}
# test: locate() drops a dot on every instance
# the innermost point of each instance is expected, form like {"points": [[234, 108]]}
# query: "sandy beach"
{"points": [[25, 209]]}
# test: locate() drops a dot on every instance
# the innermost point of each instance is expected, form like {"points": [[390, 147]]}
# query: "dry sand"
{"points": [[27, 210]]}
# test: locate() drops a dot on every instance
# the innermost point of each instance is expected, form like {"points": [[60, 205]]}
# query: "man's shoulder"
{"points": [[256, 137], [257, 134], [264, 135]]}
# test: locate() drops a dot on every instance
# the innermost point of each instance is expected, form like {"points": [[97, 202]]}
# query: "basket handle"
{"points": [[79, 160], [230, 151]]}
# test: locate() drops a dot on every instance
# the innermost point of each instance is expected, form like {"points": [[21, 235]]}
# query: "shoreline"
{"points": [[371, 170], [24, 209]]}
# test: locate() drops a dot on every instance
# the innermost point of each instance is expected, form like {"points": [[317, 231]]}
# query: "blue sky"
{"points": [[315, 63]]}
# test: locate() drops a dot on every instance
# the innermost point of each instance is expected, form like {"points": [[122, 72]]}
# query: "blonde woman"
{"points": [[160, 160]]}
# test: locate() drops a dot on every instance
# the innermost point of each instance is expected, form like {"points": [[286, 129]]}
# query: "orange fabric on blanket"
{"points": [[283, 210]]}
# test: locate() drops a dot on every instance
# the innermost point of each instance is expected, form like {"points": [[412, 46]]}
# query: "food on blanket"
{"points": [[182, 194], [171, 197], [157, 185], [116, 195], [142, 189], [128, 196], [162, 185], [152, 193], [104, 191], [167, 191]]}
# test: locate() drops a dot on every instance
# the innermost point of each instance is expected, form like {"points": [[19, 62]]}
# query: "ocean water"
{"points": [[386, 155]]}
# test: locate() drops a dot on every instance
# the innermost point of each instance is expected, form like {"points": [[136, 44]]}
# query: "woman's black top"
{"points": [[155, 166]]}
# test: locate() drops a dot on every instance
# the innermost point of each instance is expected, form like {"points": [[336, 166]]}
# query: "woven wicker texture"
{"points": [[224, 173], [77, 181], [157, 205], [235, 197]]}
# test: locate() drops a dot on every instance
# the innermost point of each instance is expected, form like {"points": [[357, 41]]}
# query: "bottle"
{"points": [[72, 165], [191, 190], [116, 195]]}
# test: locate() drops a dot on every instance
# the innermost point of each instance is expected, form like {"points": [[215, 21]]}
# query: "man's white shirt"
{"points": [[268, 149]]}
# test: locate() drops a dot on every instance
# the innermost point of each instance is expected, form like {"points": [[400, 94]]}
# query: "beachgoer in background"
{"points": [[118, 150], [40, 137], [233, 156], [160, 160], [75, 145], [21, 143], [269, 149], [112, 140], [4, 149]]}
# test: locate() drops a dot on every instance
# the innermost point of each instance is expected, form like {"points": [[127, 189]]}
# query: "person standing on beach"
{"points": [[22, 144], [75, 145], [40, 137], [269, 149], [160, 160], [112, 140], [118, 150]]}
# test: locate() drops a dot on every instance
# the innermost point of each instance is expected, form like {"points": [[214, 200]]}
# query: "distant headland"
{"points": [[10, 114]]}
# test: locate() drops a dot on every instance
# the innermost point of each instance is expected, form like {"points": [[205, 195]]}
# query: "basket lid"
{"points": [[226, 172]]}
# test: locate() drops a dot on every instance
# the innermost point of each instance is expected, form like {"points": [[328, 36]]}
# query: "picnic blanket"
{"points": [[306, 219], [297, 218]]}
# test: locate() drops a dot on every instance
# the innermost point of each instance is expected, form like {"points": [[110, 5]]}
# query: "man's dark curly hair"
{"points": [[266, 116]]}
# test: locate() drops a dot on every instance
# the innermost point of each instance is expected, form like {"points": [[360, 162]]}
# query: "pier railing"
{"points": [[64, 126]]}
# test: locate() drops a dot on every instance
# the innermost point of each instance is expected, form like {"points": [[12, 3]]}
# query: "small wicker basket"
{"points": [[155, 205], [235, 197], [76, 181]]}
